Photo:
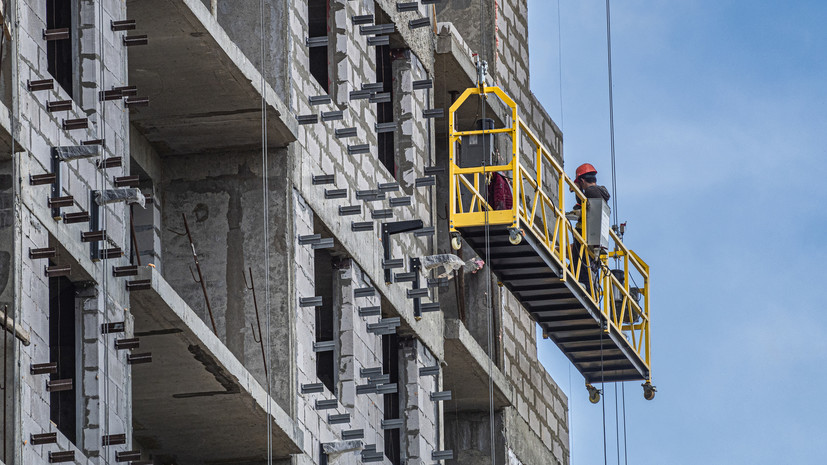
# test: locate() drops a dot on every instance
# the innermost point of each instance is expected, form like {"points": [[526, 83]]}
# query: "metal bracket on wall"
{"points": [[358, 149], [312, 388], [361, 19], [127, 344], [310, 301], [432, 370], [123, 25], [423, 84], [122, 271], [382, 214], [326, 404], [378, 41], [57, 385], [39, 254], [338, 419], [353, 434], [115, 327], [127, 456], [43, 368], [364, 292], [344, 133], [389, 229], [113, 440], [319, 179], [370, 311], [136, 359], [419, 22], [407, 6], [130, 41], [62, 456], [43, 438], [335, 193], [138, 285], [393, 424], [442, 455], [42, 84], [362, 226]]}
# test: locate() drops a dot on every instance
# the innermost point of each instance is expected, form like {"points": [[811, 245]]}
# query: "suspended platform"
{"points": [[593, 303]]}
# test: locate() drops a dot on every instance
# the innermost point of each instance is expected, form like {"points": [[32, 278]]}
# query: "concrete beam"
{"points": [[457, 72], [196, 402], [205, 94], [467, 372]]}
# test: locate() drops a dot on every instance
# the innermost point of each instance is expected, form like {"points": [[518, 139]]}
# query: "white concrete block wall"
{"points": [[357, 349], [318, 151], [103, 368]]}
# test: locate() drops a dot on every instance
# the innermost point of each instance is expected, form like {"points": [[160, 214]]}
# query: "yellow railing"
{"points": [[538, 208]]}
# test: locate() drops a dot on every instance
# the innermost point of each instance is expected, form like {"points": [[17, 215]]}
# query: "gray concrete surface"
{"points": [[205, 94], [196, 402]]}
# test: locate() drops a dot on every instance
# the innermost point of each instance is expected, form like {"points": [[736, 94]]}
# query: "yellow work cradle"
{"points": [[600, 322]]}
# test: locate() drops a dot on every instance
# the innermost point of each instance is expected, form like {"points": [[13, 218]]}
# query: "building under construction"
{"points": [[262, 231]]}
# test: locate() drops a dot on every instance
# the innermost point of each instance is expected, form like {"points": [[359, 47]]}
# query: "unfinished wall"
{"points": [[221, 196], [101, 378], [318, 151], [242, 21]]}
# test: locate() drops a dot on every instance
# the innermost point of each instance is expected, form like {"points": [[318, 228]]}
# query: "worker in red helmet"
{"points": [[585, 180]]}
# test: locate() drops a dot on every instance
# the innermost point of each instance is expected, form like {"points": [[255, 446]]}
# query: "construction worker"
{"points": [[585, 180]]}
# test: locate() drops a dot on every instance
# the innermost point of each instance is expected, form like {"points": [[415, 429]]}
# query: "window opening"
{"points": [[384, 111], [59, 52], [390, 366], [62, 350], [323, 276], [318, 12]]}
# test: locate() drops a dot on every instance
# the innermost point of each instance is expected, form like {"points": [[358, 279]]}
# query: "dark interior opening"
{"points": [[318, 12], [323, 275], [62, 350], [390, 366], [384, 111], [59, 52]]}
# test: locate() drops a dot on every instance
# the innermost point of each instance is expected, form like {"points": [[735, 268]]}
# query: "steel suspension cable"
{"points": [[489, 306], [265, 176], [625, 446], [611, 109]]}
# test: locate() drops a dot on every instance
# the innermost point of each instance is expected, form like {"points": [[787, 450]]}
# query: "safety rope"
{"points": [[489, 306], [611, 109], [625, 446], [102, 224], [265, 176], [602, 397]]}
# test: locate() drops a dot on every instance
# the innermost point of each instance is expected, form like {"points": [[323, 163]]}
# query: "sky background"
{"points": [[721, 147]]}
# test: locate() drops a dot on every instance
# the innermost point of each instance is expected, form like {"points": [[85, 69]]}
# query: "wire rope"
{"points": [[611, 108], [617, 427], [102, 225], [265, 176], [625, 445], [490, 308]]}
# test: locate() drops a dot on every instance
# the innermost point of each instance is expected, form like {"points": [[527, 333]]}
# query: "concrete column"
{"points": [[420, 436]]}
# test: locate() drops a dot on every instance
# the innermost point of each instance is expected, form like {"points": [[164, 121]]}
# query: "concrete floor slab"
{"points": [[205, 94], [196, 403], [456, 71], [467, 373]]}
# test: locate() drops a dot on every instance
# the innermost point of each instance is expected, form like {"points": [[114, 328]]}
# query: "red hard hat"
{"points": [[585, 168]]}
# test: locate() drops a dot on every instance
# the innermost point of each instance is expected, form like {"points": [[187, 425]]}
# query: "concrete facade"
{"points": [[175, 351]]}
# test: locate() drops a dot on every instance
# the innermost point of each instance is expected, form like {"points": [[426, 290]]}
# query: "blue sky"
{"points": [[721, 142]]}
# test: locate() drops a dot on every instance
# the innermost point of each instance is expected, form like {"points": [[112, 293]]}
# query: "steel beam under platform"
{"points": [[563, 309]]}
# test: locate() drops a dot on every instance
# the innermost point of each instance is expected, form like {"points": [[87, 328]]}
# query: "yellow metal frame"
{"points": [[548, 223]]}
